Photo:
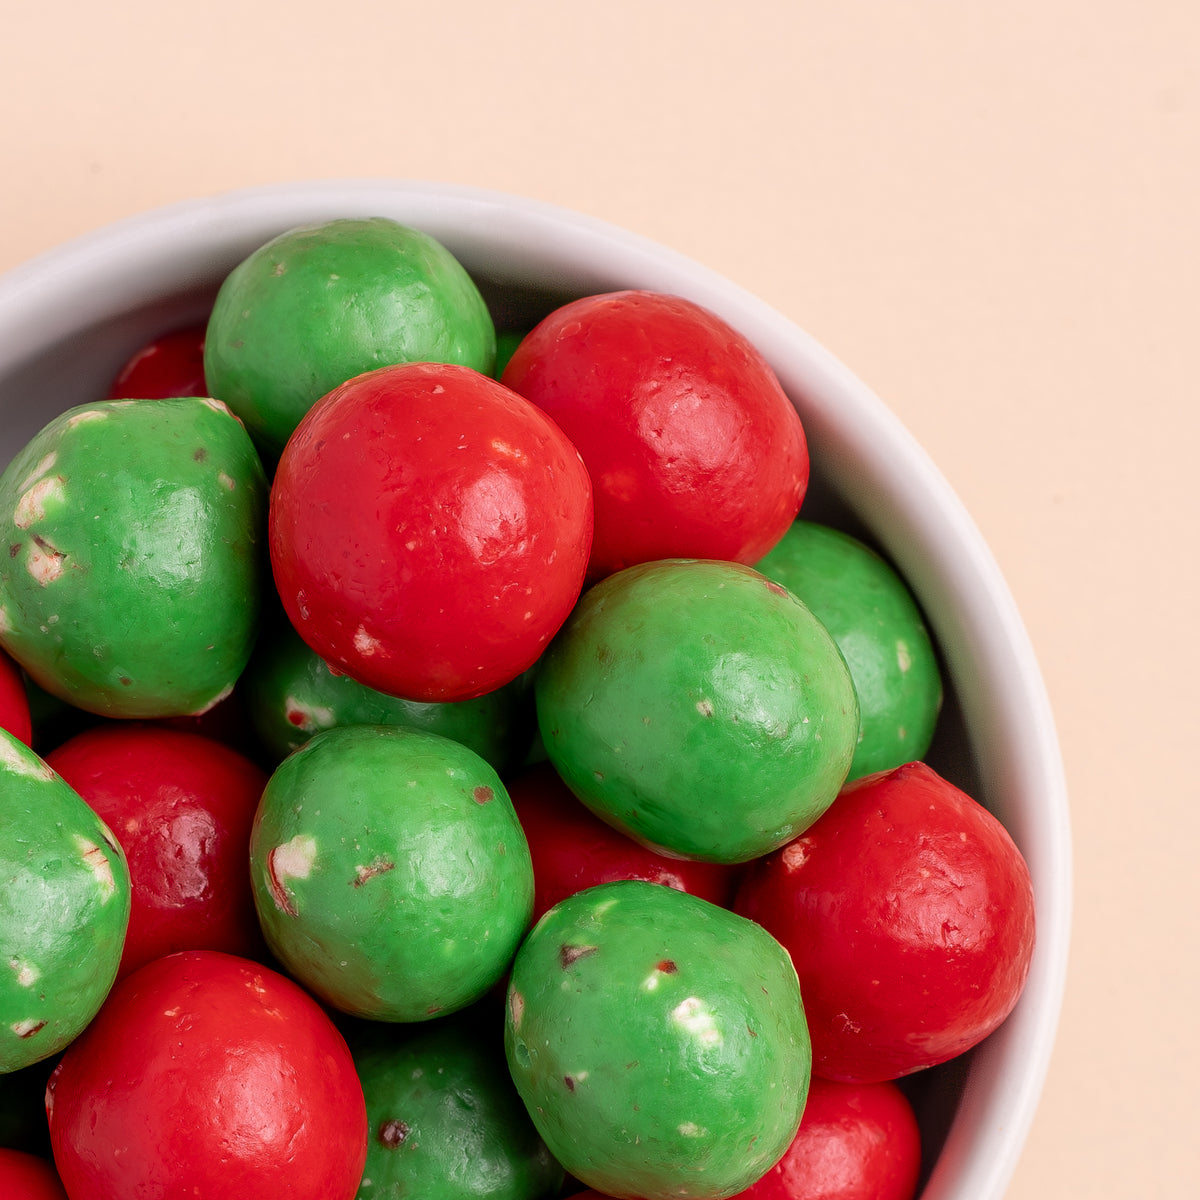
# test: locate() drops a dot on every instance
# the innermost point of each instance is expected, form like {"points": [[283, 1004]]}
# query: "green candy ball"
{"points": [[507, 341], [64, 909], [658, 1042], [291, 695], [698, 707], [136, 533], [390, 873], [444, 1118], [879, 629], [320, 304]]}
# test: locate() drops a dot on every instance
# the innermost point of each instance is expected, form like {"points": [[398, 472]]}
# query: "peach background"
{"points": [[990, 212]]}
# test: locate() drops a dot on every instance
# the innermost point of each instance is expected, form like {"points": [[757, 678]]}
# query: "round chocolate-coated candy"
{"points": [[445, 1122], [208, 1076], [908, 912], [136, 555], [658, 1042], [429, 531], [64, 909], [698, 707], [879, 629], [390, 873], [320, 304], [694, 449], [291, 694]]}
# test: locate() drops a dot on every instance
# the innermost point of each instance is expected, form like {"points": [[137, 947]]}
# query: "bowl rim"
{"points": [[137, 258]]}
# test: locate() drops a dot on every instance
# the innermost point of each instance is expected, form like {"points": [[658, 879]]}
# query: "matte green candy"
{"points": [[291, 695], [698, 707], [390, 873], [136, 538], [64, 909], [879, 629], [444, 1120], [320, 304], [658, 1041]]}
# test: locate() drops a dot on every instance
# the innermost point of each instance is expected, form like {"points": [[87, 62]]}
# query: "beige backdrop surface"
{"points": [[990, 212]]}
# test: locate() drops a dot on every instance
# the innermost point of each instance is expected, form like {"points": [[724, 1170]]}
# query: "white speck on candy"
{"points": [[223, 694], [18, 760], [365, 644], [45, 563], [308, 717], [39, 470], [32, 505], [97, 862], [90, 414], [903, 657], [692, 1016], [27, 974], [292, 860]]}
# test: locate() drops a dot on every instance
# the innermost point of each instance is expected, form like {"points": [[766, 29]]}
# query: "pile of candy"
{"points": [[462, 772]]}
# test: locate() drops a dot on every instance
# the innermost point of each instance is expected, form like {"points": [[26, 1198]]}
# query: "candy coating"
{"points": [[292, 694], [698, 707], [445, 1121], [879, 629], [658, 1042], [135, 531], [320, 304], [64, 909], [390, 872]]}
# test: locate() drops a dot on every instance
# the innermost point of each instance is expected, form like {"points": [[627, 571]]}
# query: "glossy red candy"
{"points": [[27, 1177], [693, 447], [14, 701], [573, 850], [208, 1076], [170, 365], [429, 531], [908, 912], [181, 806], [857, 1141]]}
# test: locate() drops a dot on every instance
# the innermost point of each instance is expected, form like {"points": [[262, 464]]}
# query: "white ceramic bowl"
{"points": [[68, 320]]}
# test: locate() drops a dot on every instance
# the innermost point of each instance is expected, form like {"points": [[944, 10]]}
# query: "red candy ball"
{"points": [[693, 447], [208, 1076], [908, 912], [14, 701], [429, 531], [181, 806], [572, 849], [857, 1141], [171, 365], [27, 1177]]}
